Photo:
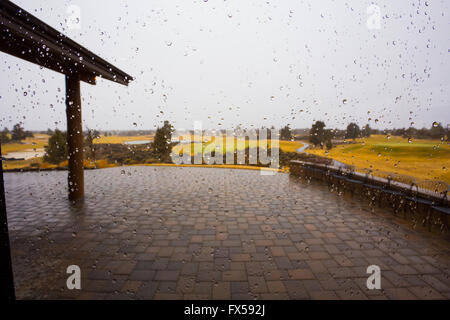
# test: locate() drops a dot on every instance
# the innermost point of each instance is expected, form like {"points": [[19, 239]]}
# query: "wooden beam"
{"points": [[26, 37], [20, 47], [74, 137], [6, 273]]}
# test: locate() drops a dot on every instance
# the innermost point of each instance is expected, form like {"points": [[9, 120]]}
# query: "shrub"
{"points": [[56, 150]]}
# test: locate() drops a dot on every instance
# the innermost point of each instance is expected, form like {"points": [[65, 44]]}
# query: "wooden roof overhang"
{"points": [[26, 37]]}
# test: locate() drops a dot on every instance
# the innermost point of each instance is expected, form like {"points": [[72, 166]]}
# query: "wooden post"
{"points": [[74, 137], [6, 272]]}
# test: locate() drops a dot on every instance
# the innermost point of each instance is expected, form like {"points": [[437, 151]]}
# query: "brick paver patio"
{"points": [[197, 233]]}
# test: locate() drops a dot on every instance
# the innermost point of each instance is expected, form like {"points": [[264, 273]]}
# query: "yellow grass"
{"points": [[20, 164], [223, 166], [210, 145], [420, 159], [290, 146], [37, 142], [121, 139], [41, 140]]}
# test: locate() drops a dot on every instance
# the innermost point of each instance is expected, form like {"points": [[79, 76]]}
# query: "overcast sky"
{"points": [[235, 62]]}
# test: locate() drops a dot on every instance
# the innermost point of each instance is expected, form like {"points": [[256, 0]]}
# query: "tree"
{"points": [[327, 136], [411, 132], [353, 131], [437, 131], [4, 137], [286, 133], [317, 134], [161, 144], [56, 150], [366, 131], [399, 132], [18, 133], [91, 135]]}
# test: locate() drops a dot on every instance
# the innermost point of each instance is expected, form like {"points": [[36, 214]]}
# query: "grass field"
{"points": [[290, 146], [40, 140], [20, 164], [421, 159], [121, 139], [286, 146], [37, 142]]}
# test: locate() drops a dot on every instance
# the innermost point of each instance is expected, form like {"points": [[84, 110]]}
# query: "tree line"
{"points": [[319, 136], [56, 150], [17, 134]]}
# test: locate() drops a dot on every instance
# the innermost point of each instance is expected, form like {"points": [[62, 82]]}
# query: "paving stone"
{"points": [[426, 293], [324, 295], [234, 275], [257, 284], [142, 275], [165, 275], [301, 274], [275, 286], [160, 233], [221, 291], [400, 294], [295, 289]]}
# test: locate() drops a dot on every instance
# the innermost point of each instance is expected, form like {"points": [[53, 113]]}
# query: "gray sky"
{"points": [[244, 62]]}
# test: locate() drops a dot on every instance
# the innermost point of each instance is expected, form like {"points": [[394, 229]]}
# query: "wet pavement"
{"points": [[202, 233]]}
